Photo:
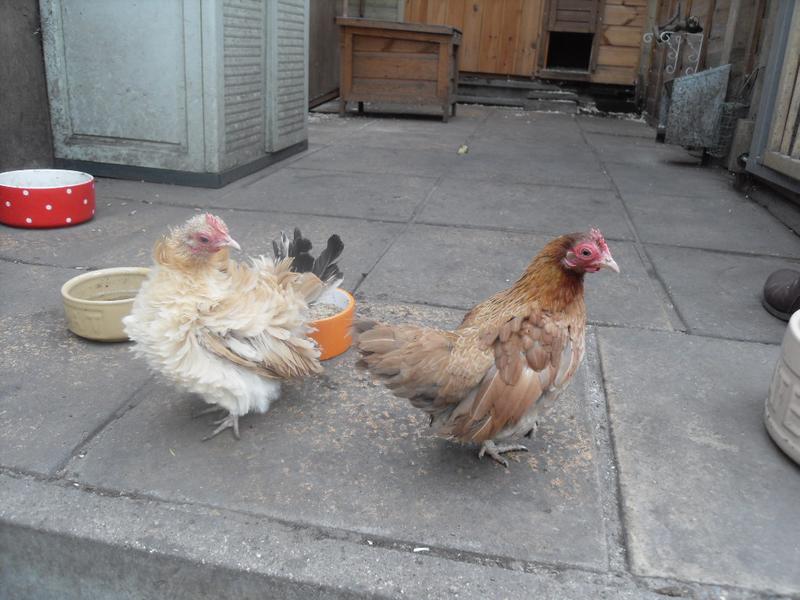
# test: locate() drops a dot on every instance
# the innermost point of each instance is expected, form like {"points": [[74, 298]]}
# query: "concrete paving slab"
{"points": [[60, 542], [458, 267], [123, 234], [376, 196], [529, 208], [487, 165], [617, 127], [379, 136], [384, 128], [362, 161], [707, 496], [720, 294], [720, 223], [337, 451], [686, 180], [29, 289], [56, 388], [514, 125], [639, 151]]}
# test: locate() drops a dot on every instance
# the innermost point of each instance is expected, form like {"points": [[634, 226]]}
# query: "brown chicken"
{"points": [[512, 355]]}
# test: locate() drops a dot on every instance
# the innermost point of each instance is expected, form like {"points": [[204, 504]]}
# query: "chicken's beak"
{"points": [[609, 263], [233, 244]]}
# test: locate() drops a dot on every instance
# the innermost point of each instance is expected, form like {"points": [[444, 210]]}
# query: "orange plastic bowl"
{"points": [[40, 198], [333, 333]]}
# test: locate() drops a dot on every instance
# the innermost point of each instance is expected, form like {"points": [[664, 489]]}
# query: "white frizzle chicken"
{"points": [[229, 331]]}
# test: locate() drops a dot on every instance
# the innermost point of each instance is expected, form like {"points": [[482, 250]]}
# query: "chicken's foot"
{"points": [[494, 451], [229, 422]]}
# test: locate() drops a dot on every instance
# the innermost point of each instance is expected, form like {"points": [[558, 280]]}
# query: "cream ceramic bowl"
{"points": [[96, 302]]}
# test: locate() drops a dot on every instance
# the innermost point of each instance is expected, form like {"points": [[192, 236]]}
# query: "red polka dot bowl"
{"points": [[41, 198]]}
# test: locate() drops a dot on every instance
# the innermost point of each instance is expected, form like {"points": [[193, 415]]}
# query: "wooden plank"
{"points": [[490, 37], [416, 11], [393, 26], [788, 145], [596, 22], [396, 65], [587, 5], [443, 75], [615, 35], [527, 44], [437, 13], [786, 86], [628, 2], [573, 16], [509, 35], [615, 75], [362, 43], [455, 13], [323, 49], [400, 91], [347, 63], [783, 164], [402, 34], [627, 16], [470, 49], [617, 56]]}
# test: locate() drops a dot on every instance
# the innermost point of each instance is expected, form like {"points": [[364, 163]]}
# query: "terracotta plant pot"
{"points": [[96, 302], [333, 334], [41, 198]]}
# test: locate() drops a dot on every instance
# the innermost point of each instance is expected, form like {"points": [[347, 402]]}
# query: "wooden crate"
{"points": [[398, 63]]}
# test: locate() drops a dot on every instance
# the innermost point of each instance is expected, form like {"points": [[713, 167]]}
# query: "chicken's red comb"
{"points": [[595, 234], [216, 224]]}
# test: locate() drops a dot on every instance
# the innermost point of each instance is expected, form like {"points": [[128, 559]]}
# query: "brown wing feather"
{"points": [[533, 355]]}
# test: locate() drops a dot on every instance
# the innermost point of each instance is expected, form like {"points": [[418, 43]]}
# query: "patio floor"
{"points": [[653, 476]]}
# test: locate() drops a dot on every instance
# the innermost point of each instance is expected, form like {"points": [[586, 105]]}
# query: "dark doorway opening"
{"points": [[569, 50]]}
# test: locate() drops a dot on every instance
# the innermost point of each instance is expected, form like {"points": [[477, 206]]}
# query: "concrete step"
{"points": [[505, 83], [566, 105], [491, 100], [62, 541], [552, 95]]}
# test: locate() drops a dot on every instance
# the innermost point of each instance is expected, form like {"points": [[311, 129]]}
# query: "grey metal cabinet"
{"points": [[198, 92]]}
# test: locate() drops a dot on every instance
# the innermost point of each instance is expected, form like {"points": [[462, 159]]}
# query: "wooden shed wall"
{"points": [[500, 36], [379, 10], [619, 46], [504, 37]]}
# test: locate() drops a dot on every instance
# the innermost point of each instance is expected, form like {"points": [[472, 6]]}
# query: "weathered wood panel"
{"points": [[399, 63], [619, 48], [617, 56], [395, 65], [499, 36], [323, 50]]}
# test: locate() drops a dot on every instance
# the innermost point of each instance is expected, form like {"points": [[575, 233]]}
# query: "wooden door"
{"points": [[500, 36], [783, 146]]}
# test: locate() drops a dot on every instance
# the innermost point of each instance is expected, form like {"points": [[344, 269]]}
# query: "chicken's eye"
{"points": [[203, 239], [586, 252]]}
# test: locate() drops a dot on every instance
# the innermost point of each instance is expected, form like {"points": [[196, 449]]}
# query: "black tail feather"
{"points": [[325, 266], [299, 249]]}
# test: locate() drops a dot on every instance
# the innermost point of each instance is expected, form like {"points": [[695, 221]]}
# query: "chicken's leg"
{"points": [[494, 451], [231, 421], [211, 409]]}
